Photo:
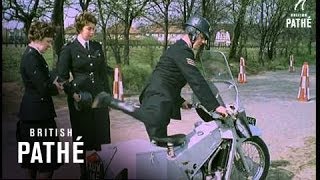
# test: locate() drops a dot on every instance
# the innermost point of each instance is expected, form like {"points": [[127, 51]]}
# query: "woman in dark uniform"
{"points": [[37, 109], [85, 60]]}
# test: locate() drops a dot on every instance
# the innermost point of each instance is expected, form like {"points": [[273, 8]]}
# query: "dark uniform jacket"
{"points": [[176, 68], [36, 102], [88, 68]]}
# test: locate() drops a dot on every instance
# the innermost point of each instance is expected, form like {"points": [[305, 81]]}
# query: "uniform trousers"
{"points": [[155, 111], [93, 125]]}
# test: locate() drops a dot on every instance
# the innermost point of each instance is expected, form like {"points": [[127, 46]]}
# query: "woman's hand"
{"points": [[185, 105], [222, 110], [58, 85], [76, 97]]}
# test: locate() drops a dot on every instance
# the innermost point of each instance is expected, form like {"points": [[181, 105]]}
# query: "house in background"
{"points": [[222, 39], [155, 31], [118, 29], [175, 33]]}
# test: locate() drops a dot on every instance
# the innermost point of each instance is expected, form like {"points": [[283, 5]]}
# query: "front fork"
{"points": [[242, 157], [228, 153], [221, 161]]}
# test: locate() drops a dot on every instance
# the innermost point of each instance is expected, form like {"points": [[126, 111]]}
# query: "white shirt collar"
{"points": [[34, 47], [82, 41]]}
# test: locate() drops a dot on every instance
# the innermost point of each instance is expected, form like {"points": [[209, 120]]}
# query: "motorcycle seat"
{"points": [[175, 140]]}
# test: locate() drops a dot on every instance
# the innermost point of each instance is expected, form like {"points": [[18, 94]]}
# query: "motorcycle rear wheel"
{"points": [[257, 157]]}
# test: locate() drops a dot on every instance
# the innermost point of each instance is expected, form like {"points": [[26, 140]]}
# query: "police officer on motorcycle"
{"points": [[161, 100]]}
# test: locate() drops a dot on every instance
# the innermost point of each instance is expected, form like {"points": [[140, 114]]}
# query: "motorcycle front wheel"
{"points": [[257, 158]]}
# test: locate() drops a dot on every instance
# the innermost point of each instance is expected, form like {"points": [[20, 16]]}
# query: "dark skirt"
{"points": [[23, 135], [93, 125]]}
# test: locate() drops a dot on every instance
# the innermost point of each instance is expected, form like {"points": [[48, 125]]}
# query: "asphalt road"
{"points": [[271, 97]]}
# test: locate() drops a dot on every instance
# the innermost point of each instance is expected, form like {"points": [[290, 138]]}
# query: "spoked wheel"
{"points": [[257, 156]]}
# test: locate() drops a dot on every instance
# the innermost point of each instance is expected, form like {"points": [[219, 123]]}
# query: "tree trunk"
{"points": [[184, 11], [57, 20], [126, 49], [204, 9], [104, 31], [270, 51], [127, 25], [261, 48], [237, 30], [117, 54], [310, 42], [263, 35], [166, 27], [165, 46], [187, 9], [84, 5], [27, 24], [243, 41], [116, 49]]}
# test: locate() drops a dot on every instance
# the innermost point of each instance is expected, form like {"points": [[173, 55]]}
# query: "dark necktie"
{"points": [[87, 45]]}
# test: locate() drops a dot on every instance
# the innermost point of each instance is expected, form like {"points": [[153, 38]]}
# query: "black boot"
{"points": [[102, 100], [157, 132]]}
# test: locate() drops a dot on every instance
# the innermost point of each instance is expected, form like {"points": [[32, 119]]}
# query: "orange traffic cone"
{"points": [[304, 92], [291, 67], [117, 84], [242, 78]]}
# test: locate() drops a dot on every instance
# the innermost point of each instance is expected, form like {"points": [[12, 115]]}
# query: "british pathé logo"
{"points": [[299, 20], [298, 3]]}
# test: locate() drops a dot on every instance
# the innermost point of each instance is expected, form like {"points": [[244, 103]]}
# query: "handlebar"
{"points": [[231, 111]]}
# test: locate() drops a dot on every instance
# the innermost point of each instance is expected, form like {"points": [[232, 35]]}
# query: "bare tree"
{"points": [[24, 12], [114, 36], [205, 7], [238, 29], [216, 12], [271, 24], [276, 28], [104, 16], [127, 11], [158, 14], [112, 30], [84, 4], [187, 9]]}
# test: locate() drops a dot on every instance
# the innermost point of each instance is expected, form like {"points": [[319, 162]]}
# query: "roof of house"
{"points": [[157, 29], [119, 28]]}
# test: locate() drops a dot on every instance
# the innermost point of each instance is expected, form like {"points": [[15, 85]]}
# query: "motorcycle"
{"points": [[217, 148]]}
